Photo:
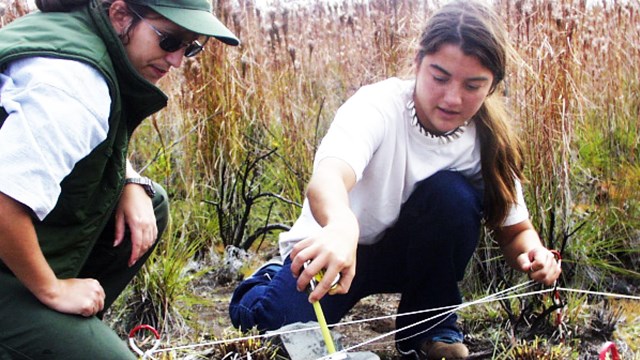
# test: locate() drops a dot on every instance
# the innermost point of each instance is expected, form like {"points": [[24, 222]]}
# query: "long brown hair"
{"points": [[476, 28]]}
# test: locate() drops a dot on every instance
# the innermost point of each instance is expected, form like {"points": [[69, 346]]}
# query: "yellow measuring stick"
{"points": [[324, 328]]}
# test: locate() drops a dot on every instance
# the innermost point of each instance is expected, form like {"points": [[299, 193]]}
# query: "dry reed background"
{"points": [[573, 91]]}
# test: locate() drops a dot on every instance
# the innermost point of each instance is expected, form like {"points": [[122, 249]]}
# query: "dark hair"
{"points": [[70, 5], [476, 28], [142, 10], [59, 5], [473, 26]]}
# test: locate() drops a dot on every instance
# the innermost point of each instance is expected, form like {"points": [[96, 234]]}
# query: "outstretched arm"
{"points": [[334, 247], [20, 251], [524, 251]]}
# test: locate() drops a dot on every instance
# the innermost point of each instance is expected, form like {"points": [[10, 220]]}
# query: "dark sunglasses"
{"points": [[171, 43]]}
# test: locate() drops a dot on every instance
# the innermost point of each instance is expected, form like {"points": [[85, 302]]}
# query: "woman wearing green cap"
{"points": [[76, 220]]}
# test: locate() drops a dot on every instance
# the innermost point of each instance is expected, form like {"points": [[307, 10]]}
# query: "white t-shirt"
{"points": [[58, 113], [374, 133]]}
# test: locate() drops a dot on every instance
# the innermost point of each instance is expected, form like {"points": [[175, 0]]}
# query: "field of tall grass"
{"points": [[235, 146]]}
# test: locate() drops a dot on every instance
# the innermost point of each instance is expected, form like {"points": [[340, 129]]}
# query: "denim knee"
{"points": [[269, 302], [243, 301]]}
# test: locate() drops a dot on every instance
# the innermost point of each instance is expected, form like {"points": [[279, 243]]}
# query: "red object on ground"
{"points": [[133, 331], [609, 347], [134, 346]]}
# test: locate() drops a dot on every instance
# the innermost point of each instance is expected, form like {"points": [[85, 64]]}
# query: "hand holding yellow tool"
{"points": [[324, 327]]}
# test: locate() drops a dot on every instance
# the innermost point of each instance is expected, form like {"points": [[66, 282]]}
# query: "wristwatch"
{"points": [[146, 183]]}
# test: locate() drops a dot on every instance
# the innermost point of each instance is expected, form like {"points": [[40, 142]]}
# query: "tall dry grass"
{"points": [[573, 96]]}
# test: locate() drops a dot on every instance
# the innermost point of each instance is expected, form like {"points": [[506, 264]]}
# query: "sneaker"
{"points": [[438, 350]]}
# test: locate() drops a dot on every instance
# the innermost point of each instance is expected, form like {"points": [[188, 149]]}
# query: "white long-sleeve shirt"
{"points": [[58, 113]]}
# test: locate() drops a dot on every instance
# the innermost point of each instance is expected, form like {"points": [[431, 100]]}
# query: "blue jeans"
{"points": [[422, 257]]}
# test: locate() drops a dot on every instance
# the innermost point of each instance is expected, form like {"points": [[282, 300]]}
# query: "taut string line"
{"points": [[448, 311]]}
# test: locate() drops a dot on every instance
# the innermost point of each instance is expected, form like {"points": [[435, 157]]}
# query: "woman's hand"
{"points": [[332, 250], [21, 253], [135, 211], [524, 251], [541, 264], [75, 296]]}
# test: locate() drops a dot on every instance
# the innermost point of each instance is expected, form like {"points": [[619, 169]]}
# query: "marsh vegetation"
{"points": [[234, 150]]}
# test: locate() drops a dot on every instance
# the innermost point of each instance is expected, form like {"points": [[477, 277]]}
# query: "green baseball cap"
{"points": [[193, 15]]}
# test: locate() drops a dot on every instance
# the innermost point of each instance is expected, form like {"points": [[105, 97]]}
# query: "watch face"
{"points": [[146, 183], [150, 190]]}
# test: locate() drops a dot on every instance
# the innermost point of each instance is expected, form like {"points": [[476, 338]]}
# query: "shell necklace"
{"points": [[443, 138]]}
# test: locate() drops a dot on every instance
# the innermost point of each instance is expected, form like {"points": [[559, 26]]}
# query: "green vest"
{"points": [[92, 189]]}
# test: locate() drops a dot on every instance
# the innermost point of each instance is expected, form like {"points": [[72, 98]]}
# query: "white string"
{"points": [[239, 339], [486, 299], [448, 310], [448, 313], [384, 317], [619, 296], [278, 333]]}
